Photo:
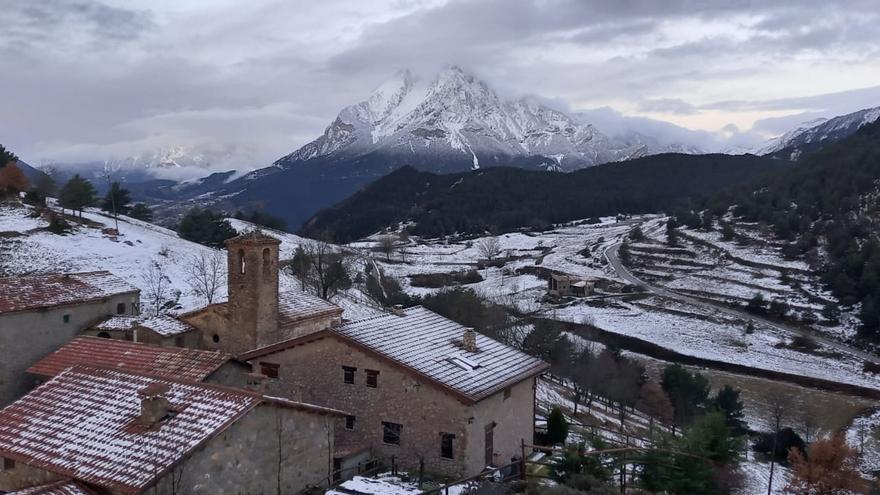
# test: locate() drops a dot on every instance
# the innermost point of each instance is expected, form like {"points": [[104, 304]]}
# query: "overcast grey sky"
{"points": [[83, 79]]}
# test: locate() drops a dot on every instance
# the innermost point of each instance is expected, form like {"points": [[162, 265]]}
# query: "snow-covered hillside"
{"points": [[459, 115], [811, 135], [25, 247], [685, 328]]}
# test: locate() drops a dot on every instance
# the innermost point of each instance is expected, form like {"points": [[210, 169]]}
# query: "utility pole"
{"points": [[777, 416], [112, 196]]}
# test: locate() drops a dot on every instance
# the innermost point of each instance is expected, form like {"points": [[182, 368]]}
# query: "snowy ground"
{"points": [[577, 249], [128, 255]]}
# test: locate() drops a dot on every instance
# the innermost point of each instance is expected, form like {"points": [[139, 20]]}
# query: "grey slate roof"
{"points": [[430, 344], [295, 306]]}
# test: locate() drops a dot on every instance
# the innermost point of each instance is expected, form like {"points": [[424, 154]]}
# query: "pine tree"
{"points": [[77, 194], [688, 392], [141, 211], [6, 157], [116, 200], [727, 401], [205, 227], [557, 427]]}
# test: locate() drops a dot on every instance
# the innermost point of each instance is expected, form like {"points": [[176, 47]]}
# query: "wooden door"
{"points": [[490, 444]]}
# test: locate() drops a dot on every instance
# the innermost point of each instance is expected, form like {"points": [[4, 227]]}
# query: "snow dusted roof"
{"points": [[63, 487], [158, 361], [83, 424], [298, 306], [430, 345], [116, 323], [30, 292], [163, 325], [166, 325]]}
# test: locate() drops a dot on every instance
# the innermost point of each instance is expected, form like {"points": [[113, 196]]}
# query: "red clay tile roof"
{"points": [[154, 360], [83, 424], [44, 291], [63, 487]]}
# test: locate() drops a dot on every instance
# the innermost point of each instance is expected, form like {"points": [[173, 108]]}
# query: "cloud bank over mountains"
{"points": [[90, 79]]}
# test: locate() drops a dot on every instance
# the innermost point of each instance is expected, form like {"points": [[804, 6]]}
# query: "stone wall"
{"points": [[23, 476], [272, 449], [511, 418], [28, 336]]}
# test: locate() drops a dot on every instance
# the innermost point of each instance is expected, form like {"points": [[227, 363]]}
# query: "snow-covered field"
{"points": [[128, 255], [577, 249]]}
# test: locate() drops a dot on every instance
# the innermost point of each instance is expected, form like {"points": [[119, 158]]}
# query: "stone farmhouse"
{"points": [[40, 313], [569, 286], [123, 433], [255, 315], [417, 386]]}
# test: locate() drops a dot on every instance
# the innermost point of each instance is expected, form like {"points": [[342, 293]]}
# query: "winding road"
{"points": [[611, 255]]}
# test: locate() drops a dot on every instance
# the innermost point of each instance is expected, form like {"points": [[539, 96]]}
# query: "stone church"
{"points": [[256, 314]]}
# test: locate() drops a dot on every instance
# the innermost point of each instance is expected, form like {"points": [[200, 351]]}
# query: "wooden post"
{"points": [[421, 471], [522, 460]]}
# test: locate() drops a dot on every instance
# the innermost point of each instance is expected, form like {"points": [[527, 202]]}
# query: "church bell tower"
{"points": [[253, 287]]}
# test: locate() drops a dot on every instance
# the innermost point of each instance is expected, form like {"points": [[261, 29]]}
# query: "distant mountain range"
{"points": [[459, 120], [813, 135], [452, 123]]}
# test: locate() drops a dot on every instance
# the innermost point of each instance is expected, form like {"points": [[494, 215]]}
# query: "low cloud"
{"points": [[85, 77]]}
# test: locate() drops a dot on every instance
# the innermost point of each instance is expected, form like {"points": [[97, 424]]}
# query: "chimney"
{"points": [[469, 340], [154, 406], [397, 310]]}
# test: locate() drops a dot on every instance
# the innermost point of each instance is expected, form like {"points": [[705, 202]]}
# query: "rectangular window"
{"points": [[66, 318], [349, 422], [372, 378], [8, 464], [506, 394], [446, 445], [269, 369], [391, 433], [348, 374]]}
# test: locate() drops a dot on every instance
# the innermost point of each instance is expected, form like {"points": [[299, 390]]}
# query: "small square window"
{"points": [[391, 433], [269, 369], [8, 464], [446, 445], [348, 374], [66, 318], [506, 394], [372, 378], [349, 422]]}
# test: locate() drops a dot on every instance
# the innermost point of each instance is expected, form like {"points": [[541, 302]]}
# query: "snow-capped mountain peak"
{"points": [[812, 135], [457, 118]]}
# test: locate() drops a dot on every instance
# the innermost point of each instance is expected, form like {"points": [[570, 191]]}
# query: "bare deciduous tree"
{"points": [[387, 244], [328, 269], [157, 286], [831, 468], [654, 402], [206, 274], [489, 248]]}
